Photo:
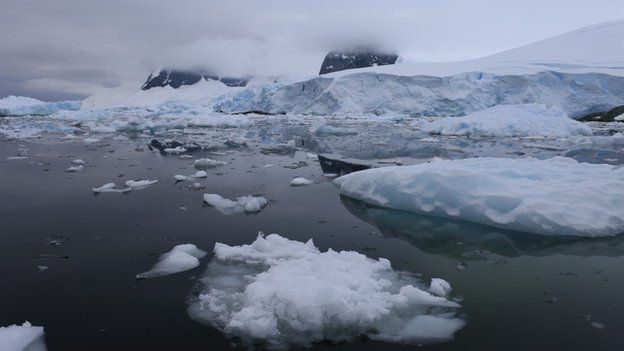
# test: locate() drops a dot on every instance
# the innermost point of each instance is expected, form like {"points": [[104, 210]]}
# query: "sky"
{"points": [[68, 49]]}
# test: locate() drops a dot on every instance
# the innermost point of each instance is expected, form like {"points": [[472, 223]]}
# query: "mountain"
{"points": [[342, 60], [176, 78]]}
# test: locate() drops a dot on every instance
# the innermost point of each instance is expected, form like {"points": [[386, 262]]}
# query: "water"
{"points": [[519, 291]]}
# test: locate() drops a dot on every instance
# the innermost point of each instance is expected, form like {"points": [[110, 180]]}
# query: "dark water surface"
{"points": [[521, 292]]}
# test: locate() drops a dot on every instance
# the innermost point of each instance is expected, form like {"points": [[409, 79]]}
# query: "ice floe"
{"points": [[110, 188], [246, 204], [200, 174], [25, 337], [204, 163], [74, 169], [300, 181], [556, 196], [284, 293], [140, 184], [181, 258], [510, 121]]}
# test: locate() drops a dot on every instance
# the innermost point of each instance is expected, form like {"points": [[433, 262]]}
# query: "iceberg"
{"points": [[557, 196], [526, 120], [25, 337], [25, 106], [300, 181], [286, 294], [246, 204], [181, 258]]}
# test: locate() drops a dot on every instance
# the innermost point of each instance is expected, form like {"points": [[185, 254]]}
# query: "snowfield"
{"points": [[556, 196], [22, 106], [285, 293], [25, 337], [510, 121]]}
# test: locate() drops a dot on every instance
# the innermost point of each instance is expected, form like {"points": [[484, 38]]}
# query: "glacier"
{"points": [[284, 293], [23, 106], [555, 196]]}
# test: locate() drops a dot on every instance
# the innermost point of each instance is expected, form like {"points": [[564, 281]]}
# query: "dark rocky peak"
{"points": [[176, 78], [341, 60]]}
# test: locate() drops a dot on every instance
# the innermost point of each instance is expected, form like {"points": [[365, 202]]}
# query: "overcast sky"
{"points": [[67, 49]]}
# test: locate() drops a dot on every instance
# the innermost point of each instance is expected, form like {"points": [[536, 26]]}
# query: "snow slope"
{"points": [[21, 106], [285, 293], [555, 196]]}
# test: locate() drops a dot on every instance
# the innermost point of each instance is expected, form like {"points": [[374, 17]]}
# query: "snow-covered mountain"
{"points": [[336, 61], [176, 78]]}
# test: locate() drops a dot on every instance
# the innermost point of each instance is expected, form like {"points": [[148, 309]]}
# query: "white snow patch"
{"points": [[25, 337], [510, 121], [181, 258], [247, 204], [300, 181], [557, 196], [286, 293]]}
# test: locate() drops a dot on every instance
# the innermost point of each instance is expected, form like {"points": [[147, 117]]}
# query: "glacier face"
{"points": [[22, 106], [458, 95]]}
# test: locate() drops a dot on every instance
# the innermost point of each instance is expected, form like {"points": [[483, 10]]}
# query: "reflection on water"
{"points": [[469, 241]]}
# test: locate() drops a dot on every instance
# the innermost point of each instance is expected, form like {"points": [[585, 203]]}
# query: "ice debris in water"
{"points": [[510, 121], [300, 181], [181, 258], [285, 293], [180, 178], [78, 161], [91, 140], [204, 163], [200, 174], [175, 150], [74, 169], [140, 184], [439, 287], [556, 196], [25, 337], [110, 188], [247, 204]]}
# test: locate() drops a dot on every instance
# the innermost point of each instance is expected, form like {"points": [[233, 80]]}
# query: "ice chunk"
{"points": [[74, 169], [300, 181], [140, 184], [90, 140], [21, 106], [510, 121], [175, 150], [439, 287], [288, 294], [247, 204], [78, 161], [25, 337], [181, 258], [204, 163], [557, 196], [110, 188], [200, 174], [180, 178]]}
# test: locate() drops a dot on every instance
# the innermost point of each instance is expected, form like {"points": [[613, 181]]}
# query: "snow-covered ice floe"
{"points": [[23, 106], [25, 337], [300, 181], [181, 258], [510, 121], [556, 196], [204, 163], [246, 204], [285, 293], [140, 184], [110, 188]]}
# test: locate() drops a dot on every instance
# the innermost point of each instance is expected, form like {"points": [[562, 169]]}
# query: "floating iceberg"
{"points": [[140, 184], [557, 196], [285, 293], [300, 181], [110, 188], [204, 163], [23, 337], [23, 106], [181, 258], [247, 204], [510, 121]]}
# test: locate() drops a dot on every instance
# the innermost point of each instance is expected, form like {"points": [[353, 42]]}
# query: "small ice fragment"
{"points": [[140, 184], [74, 169], [10, 158], [181, 258], [269, 165], [175, 150], [91, 140], [110, 188], [204, 163], [200, 174], [180, 177], [300, 181], [246, 204], [185, 157], [198, 186], [311, 155], [42, 268], [78, 161]]}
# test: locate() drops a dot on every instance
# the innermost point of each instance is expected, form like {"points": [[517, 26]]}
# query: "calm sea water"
{"points": [[519, 291]]}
